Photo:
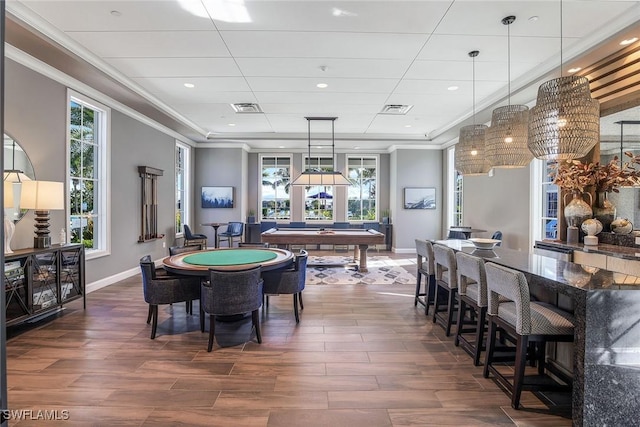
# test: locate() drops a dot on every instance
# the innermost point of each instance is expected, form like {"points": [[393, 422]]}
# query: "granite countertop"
{"points": [[617, 251], [565, 277]]}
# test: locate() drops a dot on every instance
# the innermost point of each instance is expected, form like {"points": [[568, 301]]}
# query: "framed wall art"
{"points": [[217, 197], [419, 198]]}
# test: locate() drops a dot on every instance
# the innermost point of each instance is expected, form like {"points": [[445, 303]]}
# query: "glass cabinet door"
{"points": [[44, 280], [15, 287], [70, 283]]}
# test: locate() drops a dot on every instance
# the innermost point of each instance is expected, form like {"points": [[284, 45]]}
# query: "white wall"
{"points": [[415, 168], [500, 202]]}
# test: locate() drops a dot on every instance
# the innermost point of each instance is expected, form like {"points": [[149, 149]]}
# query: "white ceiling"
{"points": [[369, 53]]}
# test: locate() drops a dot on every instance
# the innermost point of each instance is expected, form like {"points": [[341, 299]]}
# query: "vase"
{"points": [[577, 210], [603, 210]]}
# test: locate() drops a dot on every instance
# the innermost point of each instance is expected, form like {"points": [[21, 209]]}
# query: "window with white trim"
{"points": [[87, 171], [183, 185], [455, 185], [362, 193], [275, 196], [318, 199]]}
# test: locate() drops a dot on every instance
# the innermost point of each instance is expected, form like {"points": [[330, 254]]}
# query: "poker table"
{"points": [[197, 263]]}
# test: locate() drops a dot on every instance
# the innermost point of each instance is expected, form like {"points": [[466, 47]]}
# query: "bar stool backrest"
{"points": [[445, 265], [424, 249], [471, 270], [512, 285]]}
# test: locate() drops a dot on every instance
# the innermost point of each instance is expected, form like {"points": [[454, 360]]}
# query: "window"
{"points": [[182, 186], [275, 197], [318, 200], [88, 174], [455, 190], [549, 204], [361, 198]]}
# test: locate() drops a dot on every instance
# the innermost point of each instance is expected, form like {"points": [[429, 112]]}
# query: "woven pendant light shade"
{"points": [[470, 154], [508, 136], [565, 123]]}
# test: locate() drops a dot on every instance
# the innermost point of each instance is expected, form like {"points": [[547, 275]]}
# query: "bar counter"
{"points": [[606, 306]]}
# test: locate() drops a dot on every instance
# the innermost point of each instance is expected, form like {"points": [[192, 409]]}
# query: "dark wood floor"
{"points": [[361, 356]]}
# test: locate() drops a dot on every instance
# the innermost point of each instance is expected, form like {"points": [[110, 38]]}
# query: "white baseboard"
{"points": [[102, 283]]}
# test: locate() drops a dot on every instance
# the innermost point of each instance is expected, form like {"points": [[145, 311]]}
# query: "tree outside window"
{"points": [[361, 199]]}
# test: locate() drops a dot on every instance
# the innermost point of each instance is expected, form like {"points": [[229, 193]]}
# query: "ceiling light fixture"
{"points": [[628, 41], [469, 153], [322, 85], [565, 123], [575, 70], [189, 85], [453, 88], [506, 143], [311, 177], [231, 124]]}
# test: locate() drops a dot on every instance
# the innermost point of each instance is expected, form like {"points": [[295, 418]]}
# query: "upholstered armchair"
{"points": [[287, 281], [231, 292], [165, 290]]}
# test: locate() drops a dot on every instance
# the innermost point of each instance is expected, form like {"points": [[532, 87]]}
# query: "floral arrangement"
{"points": [[574, 175]]}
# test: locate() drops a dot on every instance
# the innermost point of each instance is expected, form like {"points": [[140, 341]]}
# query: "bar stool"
{"points": [[424, 249], [446, 283], [472, 294], [526, 321]]}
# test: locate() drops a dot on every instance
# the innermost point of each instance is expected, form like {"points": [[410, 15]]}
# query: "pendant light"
{"points": [[470, 157], [311, 177], [508, 134], [565, 123]]}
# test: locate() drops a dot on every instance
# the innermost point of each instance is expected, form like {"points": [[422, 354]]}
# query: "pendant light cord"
{"points": [[473, 55], [509, 64], [561, 38]]}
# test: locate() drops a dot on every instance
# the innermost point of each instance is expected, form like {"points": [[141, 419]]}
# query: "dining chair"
{"points": [[229, 293], [511, 310], [234, 229], [194, 239], [497, 236], [287, 281], [165, 290]]}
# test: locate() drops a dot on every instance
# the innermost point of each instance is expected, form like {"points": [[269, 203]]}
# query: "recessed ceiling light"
{"points": [[281, 146], [574, 70], [341, 12], [319, 146], [356, 148], [189, 85], [628, 41], [533, 18], [407, 126], [453, 88], [116, 13], [322, 85], [231, 124]]}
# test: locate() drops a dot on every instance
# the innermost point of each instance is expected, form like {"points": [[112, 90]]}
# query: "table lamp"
{"points": [[42, 196]]}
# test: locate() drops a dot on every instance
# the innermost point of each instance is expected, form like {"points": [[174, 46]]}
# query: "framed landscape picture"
{"points": [[217, 197], [419, 198]]}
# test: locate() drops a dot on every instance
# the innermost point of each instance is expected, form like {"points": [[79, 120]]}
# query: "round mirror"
{"points": [[17, 168]]}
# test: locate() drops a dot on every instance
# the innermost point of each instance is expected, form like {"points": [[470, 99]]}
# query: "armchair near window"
{"points": [[287, 281], [234, 229], [165, 290]]}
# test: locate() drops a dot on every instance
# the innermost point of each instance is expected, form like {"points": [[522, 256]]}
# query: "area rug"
{"points": [[326, 270]]}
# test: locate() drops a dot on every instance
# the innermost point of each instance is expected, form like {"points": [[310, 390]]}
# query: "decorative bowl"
{"points": [[621, 226], [484, 243]]}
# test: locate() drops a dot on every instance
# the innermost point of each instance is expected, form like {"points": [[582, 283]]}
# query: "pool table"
{"points": [[361, 239]]}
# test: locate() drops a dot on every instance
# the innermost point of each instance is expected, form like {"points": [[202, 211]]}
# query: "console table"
{"points": [[38, 282]]}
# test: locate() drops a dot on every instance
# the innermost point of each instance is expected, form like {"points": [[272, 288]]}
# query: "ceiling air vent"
{"points": [[396, 109], [246, 108]]}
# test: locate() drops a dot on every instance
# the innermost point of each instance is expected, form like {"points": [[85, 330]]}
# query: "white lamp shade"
{"points": [[42, 195], [311, 178]]}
